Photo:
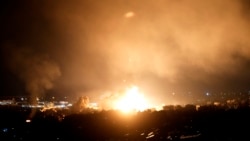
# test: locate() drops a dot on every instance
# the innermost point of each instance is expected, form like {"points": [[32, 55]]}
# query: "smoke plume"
{"points": [[162, 46], [176, 44], [36, 70]]}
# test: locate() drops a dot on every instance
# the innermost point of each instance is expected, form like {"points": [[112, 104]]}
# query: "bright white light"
{"points": [[133, 100], [28, 120]]}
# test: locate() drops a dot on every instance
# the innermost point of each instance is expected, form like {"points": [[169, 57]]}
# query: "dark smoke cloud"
{"points": [[37, 71]]}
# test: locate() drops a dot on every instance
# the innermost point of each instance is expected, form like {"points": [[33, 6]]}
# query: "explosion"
{"points": [[132, 100]]}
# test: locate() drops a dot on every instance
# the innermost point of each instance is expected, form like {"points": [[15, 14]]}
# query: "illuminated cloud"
{"points": [[170, 46]]}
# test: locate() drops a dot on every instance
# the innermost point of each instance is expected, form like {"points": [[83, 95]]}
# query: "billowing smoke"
{"points": [[81, 104], [37, 71], [108, 99], [163, 46]]}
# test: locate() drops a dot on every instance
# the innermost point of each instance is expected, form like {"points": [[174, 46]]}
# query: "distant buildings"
{"points": [[40, 103]]}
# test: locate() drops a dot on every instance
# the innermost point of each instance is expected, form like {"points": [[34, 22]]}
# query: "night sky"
{"points": [[99, 47]]}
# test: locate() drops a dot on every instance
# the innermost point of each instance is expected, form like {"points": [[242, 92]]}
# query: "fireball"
{"points": [[132, 100]]}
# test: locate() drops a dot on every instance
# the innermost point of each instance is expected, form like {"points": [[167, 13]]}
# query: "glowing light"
{"points": [[129, 14], [132, 100], [28, 120]]}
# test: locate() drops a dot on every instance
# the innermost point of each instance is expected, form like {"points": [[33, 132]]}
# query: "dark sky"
{"points": [[98, 47]]}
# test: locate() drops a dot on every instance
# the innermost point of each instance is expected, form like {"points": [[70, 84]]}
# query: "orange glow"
{"points": [[129, 14], [132, 100]]}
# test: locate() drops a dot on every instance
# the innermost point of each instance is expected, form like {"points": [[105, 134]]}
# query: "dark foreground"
{"points": [[209, 123]]}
